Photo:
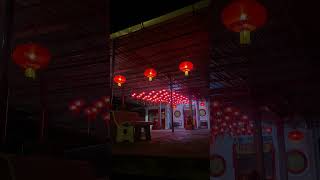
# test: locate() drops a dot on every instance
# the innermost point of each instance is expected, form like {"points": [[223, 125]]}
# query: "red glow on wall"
{"points": [[161, 96], [296, 135], [150, 73]]}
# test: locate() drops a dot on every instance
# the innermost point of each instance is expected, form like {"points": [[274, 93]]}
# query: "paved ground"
{"points": [[181, 143], [183, 154]]}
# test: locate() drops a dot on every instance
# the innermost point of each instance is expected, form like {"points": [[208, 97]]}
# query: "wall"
{"points": [[179, 119], [306, 147], [223, 146]]}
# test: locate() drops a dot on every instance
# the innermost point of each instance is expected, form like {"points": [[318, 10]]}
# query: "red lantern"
{"points": [[106, 116], [31, 57], [295, 135], [186, 67], [119, 79], [150, 73], [99, 104], [244, 16]]}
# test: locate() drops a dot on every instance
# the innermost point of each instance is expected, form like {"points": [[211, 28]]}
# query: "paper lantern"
{"points": [[150, 73], [186, 67], [31, 57], [119, 79], [244, 16]]}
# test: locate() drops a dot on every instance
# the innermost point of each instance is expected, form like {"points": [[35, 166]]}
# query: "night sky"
{"points": [[126, 13]]}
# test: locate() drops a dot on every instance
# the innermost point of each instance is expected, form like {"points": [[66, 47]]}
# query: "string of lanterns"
{"points": [[162, 96], [229, 120], [91, 111], [151, 73]]}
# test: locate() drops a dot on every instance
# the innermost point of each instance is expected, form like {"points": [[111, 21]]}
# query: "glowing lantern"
{"points": [[244, 16], [31, 57], [99, 104], [150, 73], [119, 79], [296, 135], [186, 67], [76, 105]]}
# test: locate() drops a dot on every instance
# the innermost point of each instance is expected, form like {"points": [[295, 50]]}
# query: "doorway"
{"points": [[189, 122]]}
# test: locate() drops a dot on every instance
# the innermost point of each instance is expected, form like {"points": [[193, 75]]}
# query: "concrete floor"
{"points": [[183, 154], [181, 143]]}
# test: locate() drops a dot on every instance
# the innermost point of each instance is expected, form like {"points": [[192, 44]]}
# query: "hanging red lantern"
{"points": [[150, 73], [31, 57], [244, 16], [186, 67], [119, 79], [295, 135]]}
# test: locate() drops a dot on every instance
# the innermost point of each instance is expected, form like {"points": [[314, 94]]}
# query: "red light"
{"points": [[150, 73], [296, 135], [186, 67], [119, 79], [244, 16], [99, 104]]}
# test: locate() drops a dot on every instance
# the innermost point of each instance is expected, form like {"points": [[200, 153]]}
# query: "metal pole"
{"points": [[112, 59], [7, 24], [258, 140], [198, 114], [171, 104], [191, 111], [44, 111], [88, 127], [282, 150], [160, 116]]}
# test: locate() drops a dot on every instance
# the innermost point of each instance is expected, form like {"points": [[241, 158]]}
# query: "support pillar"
{"points": [[44, 108], [258, 140], [160, 116], [171, 103], [5, 55], [191, 111], [282, 151]]}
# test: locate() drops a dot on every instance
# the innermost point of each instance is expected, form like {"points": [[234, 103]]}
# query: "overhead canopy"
{"points": [[163, 46]]}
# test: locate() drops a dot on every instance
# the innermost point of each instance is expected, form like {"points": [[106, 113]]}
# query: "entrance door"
{"points": [[189, 121], [245, 161]]}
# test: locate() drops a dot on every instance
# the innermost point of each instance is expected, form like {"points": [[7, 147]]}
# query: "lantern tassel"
{"points": [[186, 73], [119, 84], [245, 37], [30, 73], [150, 78]]}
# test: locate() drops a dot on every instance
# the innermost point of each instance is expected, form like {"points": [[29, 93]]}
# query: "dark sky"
{"points": [[125, 13]]}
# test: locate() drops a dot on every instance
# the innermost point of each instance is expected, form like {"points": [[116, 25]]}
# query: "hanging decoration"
{"points": [[76, 105], [186, 67], [244, 16], [119, 79], [161, 96], [150, 73], [295, 135], [228, 120], [31, 57]]}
